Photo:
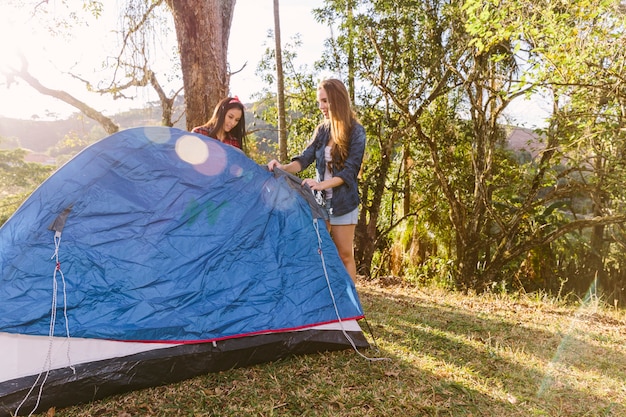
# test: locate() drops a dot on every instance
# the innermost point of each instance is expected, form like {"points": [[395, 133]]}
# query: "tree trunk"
{"points": [[406, 164], [351, 34], [597, 250], [367, 232], [202, 30], [280, 85]]}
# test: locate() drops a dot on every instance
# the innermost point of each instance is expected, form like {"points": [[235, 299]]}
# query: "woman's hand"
{"points": [[292, 167], [312, 184], [273, 164]]}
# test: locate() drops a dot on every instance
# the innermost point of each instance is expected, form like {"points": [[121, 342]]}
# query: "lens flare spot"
{"points": [[157, 134], [217, 159], [236, 171], [192, 150]]}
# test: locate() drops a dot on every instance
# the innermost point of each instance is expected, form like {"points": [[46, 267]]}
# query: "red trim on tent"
{"points": [[236, 336]]}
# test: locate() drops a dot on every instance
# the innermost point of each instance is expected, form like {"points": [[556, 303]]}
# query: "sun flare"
{"points": [[28, 43], [15, 37]]}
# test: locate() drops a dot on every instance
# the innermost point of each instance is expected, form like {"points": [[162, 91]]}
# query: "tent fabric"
{"points": [[157, 235], [154, 249]]}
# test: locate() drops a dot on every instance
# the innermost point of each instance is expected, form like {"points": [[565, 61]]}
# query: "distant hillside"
{"points": [[523, 140], [39, 135]]}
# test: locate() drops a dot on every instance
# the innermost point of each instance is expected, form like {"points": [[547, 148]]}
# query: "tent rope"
{"points": [[45, 371], [332, 296], [372, 334]]}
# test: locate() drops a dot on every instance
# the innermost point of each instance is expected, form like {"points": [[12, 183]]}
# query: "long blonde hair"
{"points": [[341, 118]]}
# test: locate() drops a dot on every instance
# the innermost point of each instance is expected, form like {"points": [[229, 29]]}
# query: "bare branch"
{"points": [[109, 126]]}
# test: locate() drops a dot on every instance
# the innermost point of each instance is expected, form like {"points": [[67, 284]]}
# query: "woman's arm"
{"points": [[301, 161], [318, 186]]}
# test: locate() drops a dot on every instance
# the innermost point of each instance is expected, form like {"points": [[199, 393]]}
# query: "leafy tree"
{"points": [[402, 66], [18, 179], [436, 78], [585, 72]]}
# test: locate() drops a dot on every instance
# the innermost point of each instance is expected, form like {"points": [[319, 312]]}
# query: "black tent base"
{"points": [[96, 380]]}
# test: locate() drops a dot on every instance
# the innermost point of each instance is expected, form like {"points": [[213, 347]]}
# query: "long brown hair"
{"points": [[341, 119], [216, 122]]}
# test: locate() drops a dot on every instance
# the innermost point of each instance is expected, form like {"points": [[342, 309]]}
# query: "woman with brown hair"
{"points": [[228, 123]]}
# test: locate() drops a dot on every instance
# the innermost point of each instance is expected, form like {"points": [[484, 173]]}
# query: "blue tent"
{"points": [[155, 255]]}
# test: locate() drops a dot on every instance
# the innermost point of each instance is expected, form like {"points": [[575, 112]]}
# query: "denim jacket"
{"points": [[346, 196]]}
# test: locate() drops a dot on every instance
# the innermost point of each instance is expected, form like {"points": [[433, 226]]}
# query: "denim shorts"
{"points": [[345, 219]]}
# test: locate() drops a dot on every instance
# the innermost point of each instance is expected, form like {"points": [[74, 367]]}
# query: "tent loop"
{"points": [[332, 296]]}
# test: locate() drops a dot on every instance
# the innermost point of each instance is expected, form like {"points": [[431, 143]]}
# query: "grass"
{"points": [[445, 354]]}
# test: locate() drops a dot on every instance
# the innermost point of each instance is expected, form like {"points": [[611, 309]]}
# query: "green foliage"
{"points": [[433, 80], [17, 180], [15, 172], [70, 145], [9, 204]]}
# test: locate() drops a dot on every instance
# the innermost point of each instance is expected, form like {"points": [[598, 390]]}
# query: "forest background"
{"points": [[445, 199]]}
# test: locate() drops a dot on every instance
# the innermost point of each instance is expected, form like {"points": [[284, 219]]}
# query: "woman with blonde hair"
{"points": [[337, 147]]}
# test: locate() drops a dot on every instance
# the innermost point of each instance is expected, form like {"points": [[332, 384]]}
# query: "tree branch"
{"points": [[109, 126]]}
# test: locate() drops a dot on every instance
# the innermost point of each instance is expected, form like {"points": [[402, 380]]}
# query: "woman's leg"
{"points": [[343, 236]]}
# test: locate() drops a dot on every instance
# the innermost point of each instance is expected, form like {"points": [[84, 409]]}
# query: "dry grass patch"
{"points": [[447, 354]]}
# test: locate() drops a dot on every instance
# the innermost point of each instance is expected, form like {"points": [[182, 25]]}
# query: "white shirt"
{"points": [[327, 174]]}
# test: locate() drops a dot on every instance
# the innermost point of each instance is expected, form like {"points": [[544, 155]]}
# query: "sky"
{"points": [[52, 58]]}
